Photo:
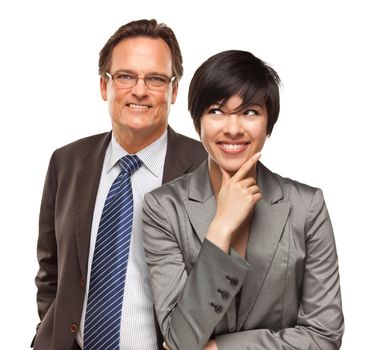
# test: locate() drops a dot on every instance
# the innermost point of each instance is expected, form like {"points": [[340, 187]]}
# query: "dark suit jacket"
{"points": [[288, 285], [65, 225]]}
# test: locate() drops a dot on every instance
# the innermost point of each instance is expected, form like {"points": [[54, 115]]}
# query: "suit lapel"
{"points": [[201, 203], [269, 218], [265, 233], [86, 191]]}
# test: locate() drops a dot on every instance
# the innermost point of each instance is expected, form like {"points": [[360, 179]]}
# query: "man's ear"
{"points": [[174, 92], [103, 88]]}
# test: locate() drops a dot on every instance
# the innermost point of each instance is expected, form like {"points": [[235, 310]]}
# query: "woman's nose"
{"points": [[233, 125]]}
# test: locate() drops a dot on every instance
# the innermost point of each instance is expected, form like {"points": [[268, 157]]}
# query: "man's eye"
{"points": [[124, 76], [215, 111], [156, 79]]}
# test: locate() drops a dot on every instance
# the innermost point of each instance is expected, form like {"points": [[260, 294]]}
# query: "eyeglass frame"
{"points": [[144, 78]]}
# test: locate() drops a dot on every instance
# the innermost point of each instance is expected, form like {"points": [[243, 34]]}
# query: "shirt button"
{"points": [[74, 328]]}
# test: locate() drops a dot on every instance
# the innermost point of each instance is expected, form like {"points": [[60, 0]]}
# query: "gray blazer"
{"points": [[284, 295]]}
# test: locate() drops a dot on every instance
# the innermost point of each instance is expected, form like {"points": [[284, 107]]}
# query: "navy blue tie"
{"points": [[109, 263]]}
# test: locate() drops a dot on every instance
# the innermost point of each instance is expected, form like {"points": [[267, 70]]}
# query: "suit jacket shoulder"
{"points": [[83, 147], [183, 155], [306, 201]]}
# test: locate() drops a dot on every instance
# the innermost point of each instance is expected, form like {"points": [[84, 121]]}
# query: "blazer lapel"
{"points": [[270, 215], [269, 218], [200, 203], [86, 191]]}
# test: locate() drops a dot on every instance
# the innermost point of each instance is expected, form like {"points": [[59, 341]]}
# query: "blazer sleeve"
{"points": [[320, 322], [46, 279], [188, 306]]}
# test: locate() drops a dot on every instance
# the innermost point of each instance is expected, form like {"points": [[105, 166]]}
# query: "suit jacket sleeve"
{"points": [[46, 279], [187, 304]]}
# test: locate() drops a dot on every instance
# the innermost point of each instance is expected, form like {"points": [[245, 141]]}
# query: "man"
{"points": [[139, 66]]}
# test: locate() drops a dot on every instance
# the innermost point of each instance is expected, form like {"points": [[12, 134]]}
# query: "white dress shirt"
{"points": [[137, 324]]}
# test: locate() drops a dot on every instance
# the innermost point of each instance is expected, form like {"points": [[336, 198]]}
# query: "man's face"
{"points": [[138, 110]]}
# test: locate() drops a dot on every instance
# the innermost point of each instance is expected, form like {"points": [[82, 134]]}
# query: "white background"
{"points": [[330, 57]]}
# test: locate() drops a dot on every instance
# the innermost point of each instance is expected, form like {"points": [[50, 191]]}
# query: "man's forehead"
{"points": [[142, 53]]}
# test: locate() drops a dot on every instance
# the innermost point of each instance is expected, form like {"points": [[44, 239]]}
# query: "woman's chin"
{"points": [[231, 169], [230, 166]]}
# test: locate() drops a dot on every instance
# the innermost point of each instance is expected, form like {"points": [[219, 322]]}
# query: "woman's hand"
{"points": [[211, 345], [235, 202]]}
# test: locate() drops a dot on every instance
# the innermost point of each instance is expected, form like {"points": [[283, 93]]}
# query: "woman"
{"points": [[240, 257]]}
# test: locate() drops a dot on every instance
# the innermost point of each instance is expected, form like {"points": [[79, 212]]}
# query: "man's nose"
{"points": [[140, 89]]}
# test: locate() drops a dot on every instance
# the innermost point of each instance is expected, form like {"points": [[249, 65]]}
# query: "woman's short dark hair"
{"points": [[230, 73], [142, 28]]}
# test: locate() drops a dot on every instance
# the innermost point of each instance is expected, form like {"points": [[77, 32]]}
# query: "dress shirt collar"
{"points": [[152, 156]]}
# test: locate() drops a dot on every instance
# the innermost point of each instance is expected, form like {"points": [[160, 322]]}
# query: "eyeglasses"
{"points": [[125, 80]]}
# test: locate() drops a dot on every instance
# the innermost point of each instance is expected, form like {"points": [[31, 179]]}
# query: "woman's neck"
{"points": [[216, 175]]}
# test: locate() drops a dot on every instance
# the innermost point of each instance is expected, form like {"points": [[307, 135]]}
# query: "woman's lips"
{"points": [[233, 147]]}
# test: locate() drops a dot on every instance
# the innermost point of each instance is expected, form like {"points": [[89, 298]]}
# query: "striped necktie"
{"points": [[109, 263]]}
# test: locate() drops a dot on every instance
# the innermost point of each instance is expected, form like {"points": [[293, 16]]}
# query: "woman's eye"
{"points": [[215, 111], [251, 112]]}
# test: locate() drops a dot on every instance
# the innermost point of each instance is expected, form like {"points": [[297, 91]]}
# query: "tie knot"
{"points": [[130, 164]]}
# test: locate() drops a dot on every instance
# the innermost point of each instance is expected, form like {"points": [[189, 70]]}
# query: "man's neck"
{"points": [[135, 141]]}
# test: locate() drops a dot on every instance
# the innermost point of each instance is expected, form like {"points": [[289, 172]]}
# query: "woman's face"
{"points": [[230, 139]]}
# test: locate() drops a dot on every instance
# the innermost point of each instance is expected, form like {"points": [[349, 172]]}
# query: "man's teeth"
{"points": [[232, 145], [133, 105]]}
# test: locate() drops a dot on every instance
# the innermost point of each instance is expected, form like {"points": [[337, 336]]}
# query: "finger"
{"points": [[246, 183], [256, 197], [246, 167], [165, 345], [253, 189]]}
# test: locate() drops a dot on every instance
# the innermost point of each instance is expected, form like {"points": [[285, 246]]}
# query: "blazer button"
{"points": [[233, 281], [74, 328], [217, 308], [224, 294], [82, 282]]}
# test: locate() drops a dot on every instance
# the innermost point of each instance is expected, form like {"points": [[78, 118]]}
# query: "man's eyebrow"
{"points": [[123, 70]]}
